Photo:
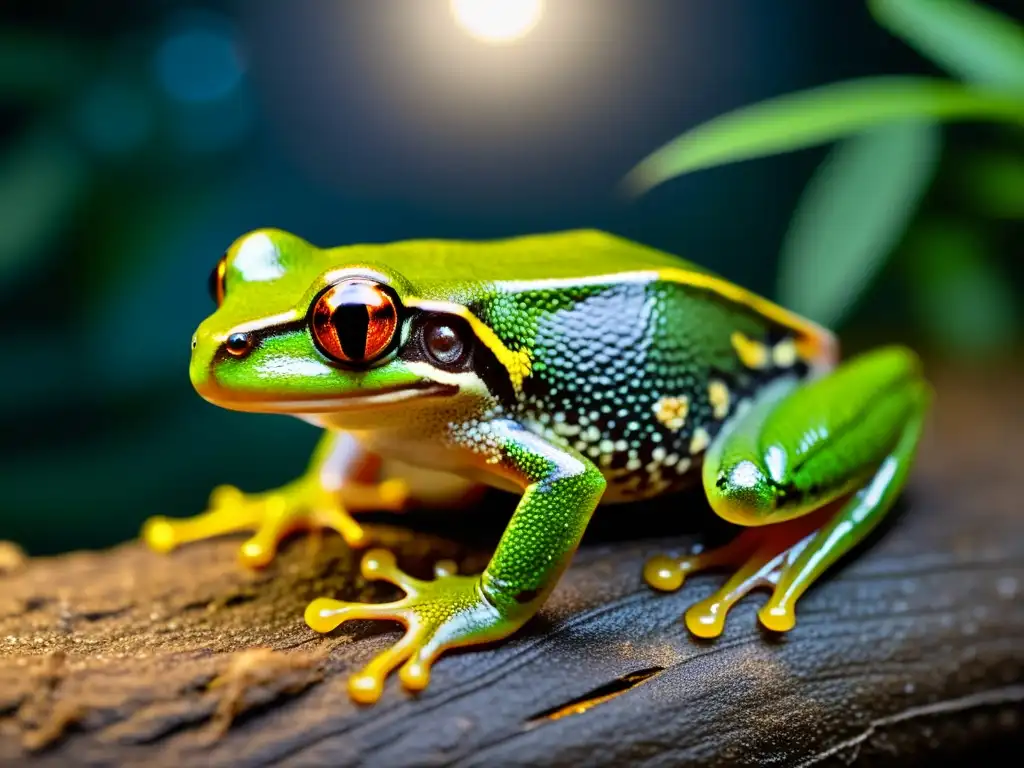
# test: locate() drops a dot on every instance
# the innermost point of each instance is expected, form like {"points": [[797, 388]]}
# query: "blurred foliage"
{"points": [[137, 140], [964, 304], [862, 205], [852, 214], [802, 120], [967, 39]]}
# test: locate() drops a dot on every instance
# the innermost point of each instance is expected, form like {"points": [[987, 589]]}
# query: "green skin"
{"points": [[593, 370]]}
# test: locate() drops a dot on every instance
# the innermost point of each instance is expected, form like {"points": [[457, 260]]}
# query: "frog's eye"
{"points": [[217, 279], [354, 321], [445, 340]]}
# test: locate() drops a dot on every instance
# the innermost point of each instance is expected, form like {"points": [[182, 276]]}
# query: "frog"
{"points": [[575, 369]]}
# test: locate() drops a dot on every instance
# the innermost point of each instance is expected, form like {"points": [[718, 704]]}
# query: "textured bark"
{"points": [[912, 652]]}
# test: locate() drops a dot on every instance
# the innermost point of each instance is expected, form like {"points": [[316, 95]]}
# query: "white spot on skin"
{"points": [[718, 395], [672, 411], [784, 353], [566, 430], [745, 475], [699, 441], [257, 259]]}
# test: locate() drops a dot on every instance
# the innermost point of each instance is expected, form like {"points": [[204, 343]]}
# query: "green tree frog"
{"points": [[571, 368]]}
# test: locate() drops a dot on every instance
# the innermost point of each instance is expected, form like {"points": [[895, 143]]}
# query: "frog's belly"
{"points": [[661, 474], [637, 486]]}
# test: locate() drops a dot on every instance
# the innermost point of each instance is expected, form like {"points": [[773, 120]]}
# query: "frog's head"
{"points": [[326, 334]]}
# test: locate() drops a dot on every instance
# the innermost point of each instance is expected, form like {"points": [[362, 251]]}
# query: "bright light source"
{"points": [[497, 21]]}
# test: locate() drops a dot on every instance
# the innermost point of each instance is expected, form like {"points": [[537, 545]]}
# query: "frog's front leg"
{"points": [[812, 469], [561, 491], [322, 498]]}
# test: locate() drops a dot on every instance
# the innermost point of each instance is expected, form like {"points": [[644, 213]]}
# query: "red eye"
{"points": [[215, 284], [354, 321]]}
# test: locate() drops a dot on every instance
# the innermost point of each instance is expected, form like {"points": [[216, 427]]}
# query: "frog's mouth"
{"points": [[365, 400]]}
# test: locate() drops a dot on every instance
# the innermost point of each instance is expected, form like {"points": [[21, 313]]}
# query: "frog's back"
{"points": [[629, 355], [637, 364], [435, 268]]}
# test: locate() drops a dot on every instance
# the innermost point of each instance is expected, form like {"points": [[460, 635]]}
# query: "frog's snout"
{"points": [[743, 494], [204, 349]]}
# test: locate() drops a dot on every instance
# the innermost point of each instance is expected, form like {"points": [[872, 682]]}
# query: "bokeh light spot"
{"points": [[199, 64], [497, 21]]}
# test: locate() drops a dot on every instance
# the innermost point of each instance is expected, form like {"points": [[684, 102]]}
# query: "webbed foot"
{"points": [[302, 505], [448, 612], [758, 557]]}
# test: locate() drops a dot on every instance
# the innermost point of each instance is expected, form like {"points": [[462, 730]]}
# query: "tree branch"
{"points": [[911, 651]]}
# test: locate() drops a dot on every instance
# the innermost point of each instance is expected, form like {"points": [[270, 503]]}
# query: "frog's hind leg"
{"points": [[812, 470], [338, 482], [756, 557]]}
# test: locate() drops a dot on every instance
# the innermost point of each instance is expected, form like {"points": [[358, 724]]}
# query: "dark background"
{"points": [[138, 139]]}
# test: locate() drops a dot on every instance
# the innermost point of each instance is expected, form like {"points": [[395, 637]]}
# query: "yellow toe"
{"points": [[378, 563], [158, 533], [777, 618], [706, 619], [415, 675], [255, 554], [663, 573], [365, 689], [322, 614]]}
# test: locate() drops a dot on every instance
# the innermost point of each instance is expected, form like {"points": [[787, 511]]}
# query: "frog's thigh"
{"points": [[433, 488], [343, 478], [805, 509]]}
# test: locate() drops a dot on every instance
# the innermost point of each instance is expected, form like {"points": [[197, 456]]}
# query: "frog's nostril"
{"points": [[194, 342]]}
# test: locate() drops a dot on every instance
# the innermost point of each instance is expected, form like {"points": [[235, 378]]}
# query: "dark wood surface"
{"points": [[912, 653]]}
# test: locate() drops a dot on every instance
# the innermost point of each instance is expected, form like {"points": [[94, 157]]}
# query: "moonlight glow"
{"points": [[497, 21]]}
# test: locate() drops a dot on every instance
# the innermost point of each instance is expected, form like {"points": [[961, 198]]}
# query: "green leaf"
{"points": [[962, 300], [969, 40], [817, 116], [853, 212]]}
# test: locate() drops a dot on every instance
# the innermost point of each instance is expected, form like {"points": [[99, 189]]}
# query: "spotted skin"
{"points": [[571, 368], [633, 395]]}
